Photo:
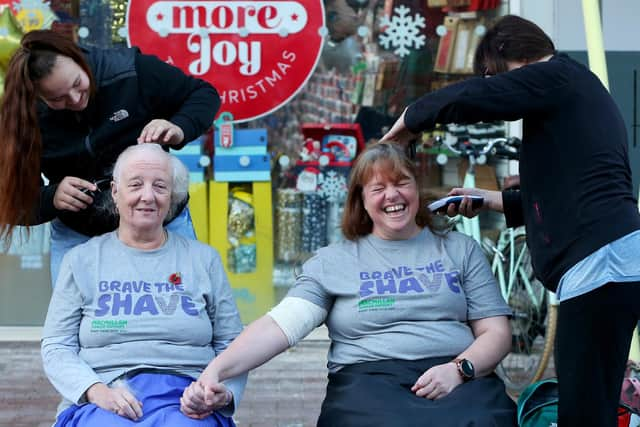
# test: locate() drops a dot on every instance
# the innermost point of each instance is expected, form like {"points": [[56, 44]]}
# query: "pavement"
{"points": [[285, 392]]}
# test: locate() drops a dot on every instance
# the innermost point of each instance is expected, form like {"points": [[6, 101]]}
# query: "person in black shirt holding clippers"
{"points": [[576, 200]]}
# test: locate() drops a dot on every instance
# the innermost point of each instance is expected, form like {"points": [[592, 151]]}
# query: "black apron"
{"points": [[379, 394]]}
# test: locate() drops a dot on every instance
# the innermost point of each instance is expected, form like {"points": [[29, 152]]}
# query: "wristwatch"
{"points": [[465, 369]]}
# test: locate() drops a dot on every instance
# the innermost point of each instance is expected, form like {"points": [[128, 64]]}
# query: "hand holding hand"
{"points": [[70, 196], [399, 132], [118, 400], [192, 402], [492, 200], [217, 396], [437, 381], [204, 396], [162, 132]]}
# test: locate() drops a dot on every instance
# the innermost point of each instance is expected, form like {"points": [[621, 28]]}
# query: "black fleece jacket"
{"points": [[576, 190], [131, 90]]}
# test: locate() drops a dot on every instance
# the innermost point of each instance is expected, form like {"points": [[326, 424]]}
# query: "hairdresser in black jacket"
{"points": [[576, 200], [67, 113]]}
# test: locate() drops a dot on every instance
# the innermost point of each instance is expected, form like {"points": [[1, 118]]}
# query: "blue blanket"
{"points": [[160, 396]]}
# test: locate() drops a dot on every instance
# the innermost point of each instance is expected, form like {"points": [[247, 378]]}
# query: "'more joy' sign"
{"points": [[257, 54]]}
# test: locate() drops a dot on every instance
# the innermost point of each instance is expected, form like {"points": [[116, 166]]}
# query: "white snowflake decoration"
{"points": [[333, 186], [402, 31]]}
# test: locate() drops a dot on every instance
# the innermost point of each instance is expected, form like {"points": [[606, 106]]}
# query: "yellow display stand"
{"points": [[199, 209], [253, 291]]}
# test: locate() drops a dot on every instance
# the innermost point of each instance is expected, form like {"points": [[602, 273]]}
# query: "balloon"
{"points": [[10, 35], [33, 14], [6, 3]]}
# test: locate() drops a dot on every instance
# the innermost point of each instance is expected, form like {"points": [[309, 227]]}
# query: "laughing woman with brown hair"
{"points": [[415, 318]]}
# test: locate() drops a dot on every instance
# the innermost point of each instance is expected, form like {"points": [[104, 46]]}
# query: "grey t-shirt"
{"points": [[116, 309], [408, 299]]}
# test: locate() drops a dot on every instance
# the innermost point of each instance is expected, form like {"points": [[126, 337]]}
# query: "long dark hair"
{"points": [[20, 139], [512, 38]]}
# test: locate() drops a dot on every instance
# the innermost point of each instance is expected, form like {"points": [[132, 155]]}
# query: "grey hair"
{"points": [[179, 176]]}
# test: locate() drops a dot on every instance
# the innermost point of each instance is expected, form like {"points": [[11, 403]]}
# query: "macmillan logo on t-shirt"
{"points": [[378, 289], [109, 325]]}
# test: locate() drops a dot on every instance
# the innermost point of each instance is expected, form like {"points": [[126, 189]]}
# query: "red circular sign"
{"points": [[257, 54]]}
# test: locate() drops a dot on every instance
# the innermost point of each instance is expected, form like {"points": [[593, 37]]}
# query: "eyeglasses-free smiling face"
{"points": [[66, 87], [143, 191], [392, 203]]}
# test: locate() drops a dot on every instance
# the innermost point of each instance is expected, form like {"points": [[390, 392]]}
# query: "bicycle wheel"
{"points": [[532, 323]]}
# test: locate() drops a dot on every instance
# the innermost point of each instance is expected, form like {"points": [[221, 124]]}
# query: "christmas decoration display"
{"points": [[266, 50], [309, 216], [284, 274], [308, 179], [334, 219], [289, 224], [118, 20], [333, 186], [96, 17], [241, 232], [402, 31], [314, 222], [311, 150]]}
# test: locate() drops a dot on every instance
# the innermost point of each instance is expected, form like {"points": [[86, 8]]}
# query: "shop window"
{"points": [[377, 57]]}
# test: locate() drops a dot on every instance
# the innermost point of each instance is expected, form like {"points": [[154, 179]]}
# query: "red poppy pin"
{"points": [[175, 279]]}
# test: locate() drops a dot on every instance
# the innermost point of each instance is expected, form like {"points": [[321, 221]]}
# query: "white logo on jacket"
{"points": [[119, 115]]}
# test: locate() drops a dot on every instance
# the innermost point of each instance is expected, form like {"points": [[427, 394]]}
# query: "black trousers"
{"points": [[592, 346], [379, 394]]}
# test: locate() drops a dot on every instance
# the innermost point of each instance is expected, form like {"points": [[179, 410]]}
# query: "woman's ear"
{"points": [[114, 190]]}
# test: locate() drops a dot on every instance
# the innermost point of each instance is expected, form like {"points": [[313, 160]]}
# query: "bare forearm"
{"points": [[490, 346], [494, 201], [258, 343]]}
